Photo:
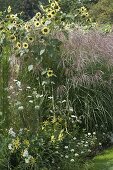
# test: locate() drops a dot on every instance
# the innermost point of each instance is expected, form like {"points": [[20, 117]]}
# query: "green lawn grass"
{"points": [[103, 161]]}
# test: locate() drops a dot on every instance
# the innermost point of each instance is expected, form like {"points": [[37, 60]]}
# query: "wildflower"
{"points": [[12, 16], [26, 142], [25, 45], [20, 108], [52, 138], [27, 27], [10, 146], [76, 154], [37, 24], [50, 15], [9, 9], [72, 160], [11, 132], [25, 153], [66, 147], [38, 14], [16, 143], [72, 150], [12, 38], [50, 73], [83, 9], [53, 5], [27, 160], [45, 30], [30, 39], [66, 156], [18, 45]]}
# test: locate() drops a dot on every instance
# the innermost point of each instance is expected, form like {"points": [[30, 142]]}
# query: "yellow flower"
{"points": [[50, 15], [48, 10], [53, 12], [12, 38], [27, 27], [53, 4], [26, 142], [25, 45], [38, 14], [45, 30], [60, 137], [30, 39], [16, 143], [52, 138], [12, 16], [83, 9], [50, 73], [85, 14], [9, 9], [37, 24], [18, 45]]}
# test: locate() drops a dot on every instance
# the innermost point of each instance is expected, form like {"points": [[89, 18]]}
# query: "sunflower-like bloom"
{"points": [[50, 15], [27, 27], [83, 9], [30, 39], [53, 4], [25, 45], [18, 45], [50, 73], [38, 15], [45, 30], [37, 24], [13, 37]]}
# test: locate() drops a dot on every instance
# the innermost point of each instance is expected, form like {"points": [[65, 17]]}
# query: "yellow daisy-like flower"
{"points": [[37, 24], [12, 38], [50, 15], [83, 9], [57, 8], [27, 27], [12, 16], [18, 45], [84, 14], [30, 39], [53, 12], [38, 15], [25, 45], [45, 30], [50, 73], [7, 16], [47, 10], [53, 138], [53, 4]]}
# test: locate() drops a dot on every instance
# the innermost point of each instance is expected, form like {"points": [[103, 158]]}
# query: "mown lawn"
{"points": [[103, 161]]}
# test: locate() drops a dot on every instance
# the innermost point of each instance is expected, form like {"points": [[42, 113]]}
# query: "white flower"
{"points": [[74, 138], [10, 146], [11, 132], [72, 150], [25, 153], [82, 152], [27, 160], [30, 101], [66, 147], [76, 154], [89, 134], [72, 160], [37, 107], [94, 133], [66, 156], [20, 108]]}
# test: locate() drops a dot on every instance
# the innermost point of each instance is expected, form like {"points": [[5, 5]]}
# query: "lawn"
{"points": [[103, 161]]}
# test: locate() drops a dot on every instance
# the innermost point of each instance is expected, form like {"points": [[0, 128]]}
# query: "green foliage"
{"points": [[102, 12]]}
